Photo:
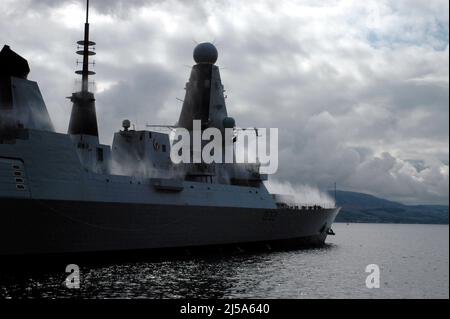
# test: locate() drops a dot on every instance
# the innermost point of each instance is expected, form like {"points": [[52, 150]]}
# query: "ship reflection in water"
{"points": [[336, 270]]}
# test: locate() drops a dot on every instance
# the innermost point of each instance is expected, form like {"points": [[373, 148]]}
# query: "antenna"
{"points": [[86, 52], [87, 11]]}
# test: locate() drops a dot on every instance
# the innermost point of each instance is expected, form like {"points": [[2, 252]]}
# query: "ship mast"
{"points": [[83, 120], [86, 53]]}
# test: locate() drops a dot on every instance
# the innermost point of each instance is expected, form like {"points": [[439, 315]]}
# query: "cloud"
{"points": [[358, 90]]}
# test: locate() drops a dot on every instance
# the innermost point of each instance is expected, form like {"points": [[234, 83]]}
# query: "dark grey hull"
{"points": [[30, 226]]}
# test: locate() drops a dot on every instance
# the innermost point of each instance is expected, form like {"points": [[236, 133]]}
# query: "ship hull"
{"points": [[31, 226]]}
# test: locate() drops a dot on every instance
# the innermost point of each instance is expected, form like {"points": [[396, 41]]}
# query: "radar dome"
{"points": [[126, 124], [229, 122], [205, 53]]}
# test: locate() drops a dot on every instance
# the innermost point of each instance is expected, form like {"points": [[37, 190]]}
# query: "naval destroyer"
{"points": [[64, 193]]}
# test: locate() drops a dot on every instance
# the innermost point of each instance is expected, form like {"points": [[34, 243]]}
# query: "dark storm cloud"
{"points": [[104, 6], [359, 90], [138, 98], [117, 8]]}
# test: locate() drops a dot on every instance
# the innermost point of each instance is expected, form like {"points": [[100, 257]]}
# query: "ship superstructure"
{"points": [[65, 193]]}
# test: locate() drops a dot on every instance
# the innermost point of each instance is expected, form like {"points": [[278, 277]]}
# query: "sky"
{"points": [[359, 90]]}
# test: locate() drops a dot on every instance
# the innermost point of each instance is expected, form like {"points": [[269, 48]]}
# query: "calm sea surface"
{"points": [[413, 262]]}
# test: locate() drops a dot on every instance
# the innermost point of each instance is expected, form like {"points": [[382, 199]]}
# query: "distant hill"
{"points": [[364, 208]]}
